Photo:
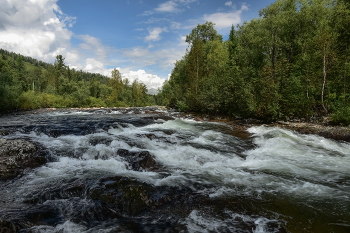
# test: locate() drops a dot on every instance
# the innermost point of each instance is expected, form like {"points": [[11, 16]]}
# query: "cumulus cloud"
{"points": [[225, 20], [34, 28], [94, 66], [183, 41], [154, 34], [152, 81]]}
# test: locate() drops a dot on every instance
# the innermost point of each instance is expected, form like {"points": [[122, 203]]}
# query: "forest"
{"points": [[292, 61], [26, 83]]}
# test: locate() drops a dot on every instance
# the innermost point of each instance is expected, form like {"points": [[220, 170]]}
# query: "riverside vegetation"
{"points": [[26, 83], [292, 61]]}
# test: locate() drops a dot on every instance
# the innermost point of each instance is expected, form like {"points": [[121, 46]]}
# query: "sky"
{"points": [[142, 39]]}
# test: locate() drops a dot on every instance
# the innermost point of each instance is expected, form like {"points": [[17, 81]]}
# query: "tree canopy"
{"points": [[26, 83], [291, 61]]}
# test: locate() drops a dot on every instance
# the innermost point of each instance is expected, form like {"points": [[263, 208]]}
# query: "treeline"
{"points": [[291, 61], [26, 83]]}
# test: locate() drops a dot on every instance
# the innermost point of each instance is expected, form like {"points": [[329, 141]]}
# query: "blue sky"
{"points": [[141, 38]]}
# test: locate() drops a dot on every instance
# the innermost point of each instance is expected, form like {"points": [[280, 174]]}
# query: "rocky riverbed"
{"points": [[157, 170]]}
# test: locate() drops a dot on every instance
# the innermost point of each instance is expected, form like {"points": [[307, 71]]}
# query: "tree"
{"points": [[205, 32], [116, 83], [232, 43]]}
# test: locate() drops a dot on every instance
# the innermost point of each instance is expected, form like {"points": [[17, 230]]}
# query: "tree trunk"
{"points": [[324, 76]]}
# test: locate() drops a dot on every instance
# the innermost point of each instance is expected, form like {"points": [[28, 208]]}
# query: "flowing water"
{"points": [[208, 177]]}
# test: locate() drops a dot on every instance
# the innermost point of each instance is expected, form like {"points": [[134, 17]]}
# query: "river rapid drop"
{"points": [[208, 177]]}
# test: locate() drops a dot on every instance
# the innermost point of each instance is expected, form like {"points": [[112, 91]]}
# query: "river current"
{"points": [[208, 177]]}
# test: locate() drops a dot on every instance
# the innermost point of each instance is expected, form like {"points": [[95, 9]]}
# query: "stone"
{"points": [[138, 160], [17, 155]]}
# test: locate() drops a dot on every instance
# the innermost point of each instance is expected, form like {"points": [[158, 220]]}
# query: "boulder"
{"points": [[138, 160], [17, 155], [128, 196]]}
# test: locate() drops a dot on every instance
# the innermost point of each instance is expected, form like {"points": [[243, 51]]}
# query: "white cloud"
{"points": [[175, 25], [164, 58], [94, 44], [146, 13], [228, 3], [94, 66], [183, 41], [152, 81], [153, 20], [225, 20], [154, 34], [169, 6], [38, 28], [137, 52], [34, 28]]}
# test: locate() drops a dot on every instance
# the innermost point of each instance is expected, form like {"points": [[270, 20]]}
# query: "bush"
{"points": [[341, 116], [29, 100], [97, 102], [182, 106], [46, 100]]}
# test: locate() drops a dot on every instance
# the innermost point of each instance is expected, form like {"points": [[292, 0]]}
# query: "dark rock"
{"points": [[100, 140], [8, 227], [17, 155], [138, 160], [129, 196], [4, 132]]}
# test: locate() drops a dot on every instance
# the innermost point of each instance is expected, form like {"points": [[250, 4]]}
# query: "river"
{"points": [[207, 176]]}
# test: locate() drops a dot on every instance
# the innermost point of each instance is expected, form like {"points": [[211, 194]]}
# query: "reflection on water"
{"points": [[275, 180]]}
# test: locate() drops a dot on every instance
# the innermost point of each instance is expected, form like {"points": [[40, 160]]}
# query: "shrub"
{"points": [[29, 100], [341, 116], [97, 102], [46, 100]]}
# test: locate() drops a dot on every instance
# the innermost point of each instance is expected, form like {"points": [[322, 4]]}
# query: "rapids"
{"points": [[208, 177]]}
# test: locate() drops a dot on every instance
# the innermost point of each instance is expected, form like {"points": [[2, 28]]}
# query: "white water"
{"points": [[274, 161], [305, 163]]}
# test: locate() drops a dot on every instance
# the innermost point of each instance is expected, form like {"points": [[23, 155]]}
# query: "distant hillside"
{"points": [[26, 83]]}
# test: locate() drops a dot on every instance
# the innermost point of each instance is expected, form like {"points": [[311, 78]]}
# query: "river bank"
{"points": [[320, 126]]}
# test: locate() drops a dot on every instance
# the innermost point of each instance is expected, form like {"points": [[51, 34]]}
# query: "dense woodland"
{"points": [[26, 83], [292, 61]]}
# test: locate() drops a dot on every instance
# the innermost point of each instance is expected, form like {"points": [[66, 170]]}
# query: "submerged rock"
{"points": [[17, 155], [138, 160], [128, 196]]}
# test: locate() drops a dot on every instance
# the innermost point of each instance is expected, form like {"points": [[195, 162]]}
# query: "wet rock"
{"points": [[138, 160], [4, 132], [129, 196], [8, 227], [55, 193], [17, 155], [100, 140]]}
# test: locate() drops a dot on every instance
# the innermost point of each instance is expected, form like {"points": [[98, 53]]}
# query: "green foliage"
{"points": [[341, 116], [291, 61], [29, 100], [26, 83]]}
